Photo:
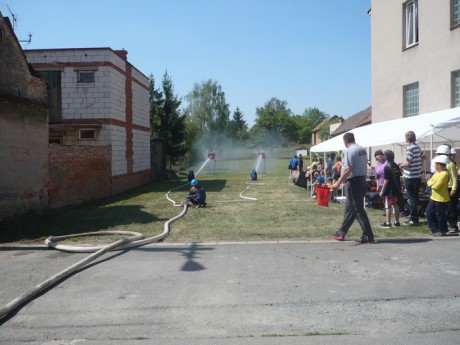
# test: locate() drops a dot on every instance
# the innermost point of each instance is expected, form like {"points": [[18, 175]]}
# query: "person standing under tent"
{"points": [[330, 163], [390, 189], [412, 172], [379, 168], [337, 168], [436, 210], [452, 168], [354, 175]]}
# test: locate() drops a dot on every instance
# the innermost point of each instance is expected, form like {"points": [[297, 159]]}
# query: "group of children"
{"points": [[442, 188]]}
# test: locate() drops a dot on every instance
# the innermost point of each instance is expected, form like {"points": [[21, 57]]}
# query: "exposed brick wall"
{"points": [[78, 174], [123, 183]]}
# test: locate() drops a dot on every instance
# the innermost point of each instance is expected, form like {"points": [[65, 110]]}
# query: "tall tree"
{"points": [[175, 121], [156, 108], [309, 120], [167, 122], [208, 111], [238, 126], [276, 118]]}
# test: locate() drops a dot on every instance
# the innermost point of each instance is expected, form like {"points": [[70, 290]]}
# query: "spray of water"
{"points": [[259, 159], [201, 168]]}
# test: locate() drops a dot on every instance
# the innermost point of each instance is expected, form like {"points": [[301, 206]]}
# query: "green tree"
{"points": [[325, 131], [310, 119], [156, 108], [238, 126], [167, 122], [276, 118], [208, 112]]}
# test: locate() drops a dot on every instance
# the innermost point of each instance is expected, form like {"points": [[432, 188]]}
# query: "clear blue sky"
{"points": [[310, 53]]}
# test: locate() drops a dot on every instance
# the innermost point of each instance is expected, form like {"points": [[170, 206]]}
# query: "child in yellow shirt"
{"points": [[436, 210]]}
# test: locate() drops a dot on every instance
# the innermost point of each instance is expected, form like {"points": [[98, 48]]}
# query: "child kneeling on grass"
{"points": [[196, 195], [436, 209]]}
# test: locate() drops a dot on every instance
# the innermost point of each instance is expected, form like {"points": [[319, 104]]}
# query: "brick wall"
{"points": [[78, 174]]}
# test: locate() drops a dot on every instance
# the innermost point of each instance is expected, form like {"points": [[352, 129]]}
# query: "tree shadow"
{"points": [[72, 221], [191, 253]]}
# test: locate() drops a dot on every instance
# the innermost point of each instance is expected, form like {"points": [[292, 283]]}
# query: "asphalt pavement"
{"points": [[394, 292]]}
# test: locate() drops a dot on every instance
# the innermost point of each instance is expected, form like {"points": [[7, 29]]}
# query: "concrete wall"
{"points": [[23, 130], [430, 62], [23, 156]]}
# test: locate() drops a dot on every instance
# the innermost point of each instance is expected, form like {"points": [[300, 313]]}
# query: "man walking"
{"points": [[412, 171], [354, 168]]}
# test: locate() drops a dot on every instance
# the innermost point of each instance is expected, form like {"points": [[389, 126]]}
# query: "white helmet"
{"points": [[452, 151], [442, 159], [443, 150]]}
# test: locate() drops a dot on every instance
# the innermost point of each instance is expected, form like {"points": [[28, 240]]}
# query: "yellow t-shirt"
{"points": [[438, 184], [453, 181]]}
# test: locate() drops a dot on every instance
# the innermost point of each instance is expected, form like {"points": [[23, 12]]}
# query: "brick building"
{"points": [[99, 127]]}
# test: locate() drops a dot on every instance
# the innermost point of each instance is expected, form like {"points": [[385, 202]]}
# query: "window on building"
{"points": [[410, 23], [85, 77], [411, 101], [87, 134], [53, 81], [456, 89], [55, 140], [455, 10]]}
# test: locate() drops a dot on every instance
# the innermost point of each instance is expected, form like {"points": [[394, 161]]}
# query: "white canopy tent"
{"points": [[436, 127]]}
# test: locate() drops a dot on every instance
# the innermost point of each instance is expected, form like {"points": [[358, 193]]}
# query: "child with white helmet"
{"points": [[436, 210]]}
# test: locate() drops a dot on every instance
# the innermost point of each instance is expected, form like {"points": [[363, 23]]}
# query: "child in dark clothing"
{"points": [[391, 189], [196, 195]]}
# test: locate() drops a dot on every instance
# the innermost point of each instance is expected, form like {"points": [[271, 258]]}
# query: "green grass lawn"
{"points": [[282, 211]]}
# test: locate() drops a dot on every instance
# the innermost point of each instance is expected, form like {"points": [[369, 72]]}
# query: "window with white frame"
{"points": [[410, 23], [411, 101], [85, 77], [456, 89], [455, 9]]}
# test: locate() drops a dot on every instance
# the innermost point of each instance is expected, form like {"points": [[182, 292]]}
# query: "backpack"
{"points": [[254, 175]]}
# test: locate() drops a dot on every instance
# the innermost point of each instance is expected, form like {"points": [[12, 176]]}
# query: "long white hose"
{"points": [[24, 298], [134, 239], [52, 240]]}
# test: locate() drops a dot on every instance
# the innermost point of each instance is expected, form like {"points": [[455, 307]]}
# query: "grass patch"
{"points": [[282, 211]]}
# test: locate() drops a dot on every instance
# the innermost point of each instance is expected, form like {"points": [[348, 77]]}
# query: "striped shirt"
{"points": [[414, 156]]}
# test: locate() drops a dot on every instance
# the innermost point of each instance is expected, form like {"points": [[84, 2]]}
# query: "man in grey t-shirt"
{"points": [[353, 176]]}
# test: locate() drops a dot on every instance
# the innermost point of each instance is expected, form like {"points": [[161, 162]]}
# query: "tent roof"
{"points": [[440, 126]]}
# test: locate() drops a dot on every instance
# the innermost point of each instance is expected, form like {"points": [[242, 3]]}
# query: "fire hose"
{"points": [[133, 239]]}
